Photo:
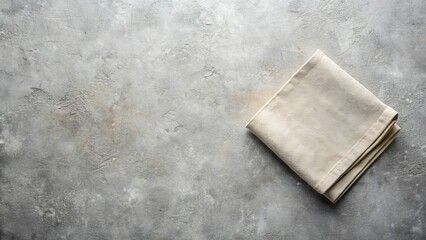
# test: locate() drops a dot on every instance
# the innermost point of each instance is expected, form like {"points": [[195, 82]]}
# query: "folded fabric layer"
{"points": [[325, 126]]}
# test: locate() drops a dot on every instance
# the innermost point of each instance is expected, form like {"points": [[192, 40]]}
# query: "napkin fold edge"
{"points": [[318, 54], [354, 153], [334, 194]]}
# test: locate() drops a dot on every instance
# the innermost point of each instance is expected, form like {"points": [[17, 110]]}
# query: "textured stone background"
{"points": [[125, 119]]}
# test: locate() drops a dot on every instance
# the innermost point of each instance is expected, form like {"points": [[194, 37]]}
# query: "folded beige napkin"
{"points": [[325, 126]]}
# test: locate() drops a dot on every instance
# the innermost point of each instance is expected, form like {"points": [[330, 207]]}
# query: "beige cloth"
{"points": [[325, 126]]}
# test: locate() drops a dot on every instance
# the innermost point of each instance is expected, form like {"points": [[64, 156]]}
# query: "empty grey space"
{"points": [[125, 119]]}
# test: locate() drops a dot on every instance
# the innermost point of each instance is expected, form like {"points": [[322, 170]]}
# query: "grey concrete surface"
{"points": [[125, 119]]}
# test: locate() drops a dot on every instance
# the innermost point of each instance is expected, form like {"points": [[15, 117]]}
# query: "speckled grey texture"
{"points": [[125, 119]]}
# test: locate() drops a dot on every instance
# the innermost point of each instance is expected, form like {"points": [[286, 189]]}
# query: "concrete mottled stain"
{"points": [[125, 119]]}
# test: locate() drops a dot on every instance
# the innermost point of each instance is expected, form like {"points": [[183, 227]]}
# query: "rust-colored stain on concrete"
{"points": [[251, 101]]}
